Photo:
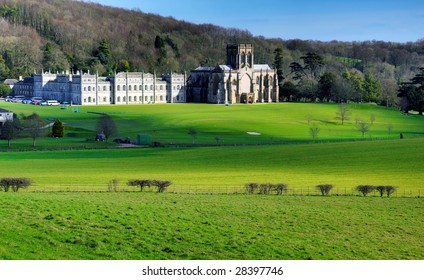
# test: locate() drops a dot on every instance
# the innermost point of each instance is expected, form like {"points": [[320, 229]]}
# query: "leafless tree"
{"points": [[139, 183], [343, 112], [363, 127]]}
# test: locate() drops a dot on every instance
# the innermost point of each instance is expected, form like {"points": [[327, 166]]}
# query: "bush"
{"points": [[139, 183], [265, 188], [14, 183], [161, 185], [365, 189], [251, 187], [390, 190], [381, 190], [280, 188], [325, 188], [112, 186]]}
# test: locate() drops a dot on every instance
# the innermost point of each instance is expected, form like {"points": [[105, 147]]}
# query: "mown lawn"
{"points": [[177, 226], [301, 166], [218, 124]]}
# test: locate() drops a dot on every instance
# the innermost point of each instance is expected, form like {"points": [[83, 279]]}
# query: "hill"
{"points": [[63, 34]]}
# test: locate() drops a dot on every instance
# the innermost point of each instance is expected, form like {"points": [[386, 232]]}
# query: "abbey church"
{"points": [[239, 81]]}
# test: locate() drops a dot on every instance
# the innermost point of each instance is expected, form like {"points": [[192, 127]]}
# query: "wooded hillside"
{"points": [[63, 34]]}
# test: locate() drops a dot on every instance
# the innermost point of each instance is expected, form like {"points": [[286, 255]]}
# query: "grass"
{"points": [[175, 226], [134, 225], [276, 123], [302, 166]]}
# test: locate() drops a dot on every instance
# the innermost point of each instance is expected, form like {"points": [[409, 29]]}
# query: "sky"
{"points": [[323, 20]]}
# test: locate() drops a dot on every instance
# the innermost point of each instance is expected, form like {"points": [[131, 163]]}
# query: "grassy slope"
{"points": [[170, 226], [345, 164], [287, 122]]}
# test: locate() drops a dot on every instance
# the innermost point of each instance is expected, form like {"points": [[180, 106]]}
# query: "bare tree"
{"points": [[34, 124], [113, 184], [107, 126], [372, 119], [162, 185], [363, 127], [140, 183], [14, 183], [265, 188], [314, 131], [343, 112], [251, 187], [390, 190], [280, 188], [365, 189], [381, 190], [325, 188]]}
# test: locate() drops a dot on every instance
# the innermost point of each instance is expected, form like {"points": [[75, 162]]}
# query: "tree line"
{"points": [[59, 35]]}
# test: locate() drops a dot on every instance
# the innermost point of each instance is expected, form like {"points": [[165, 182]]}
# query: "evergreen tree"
{"points": [[58, 129]]}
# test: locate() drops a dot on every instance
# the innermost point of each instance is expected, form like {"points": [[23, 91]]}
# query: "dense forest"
{"points": [[59, 35]]}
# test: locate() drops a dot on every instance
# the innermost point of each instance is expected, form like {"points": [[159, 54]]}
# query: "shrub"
{"points": [[265, 188], [390, 190], [325, 188], [365, 189], [113, 184], [251, 187], [139, 183], [14, 183], [161, 185], [381, 190], [280, 188]]}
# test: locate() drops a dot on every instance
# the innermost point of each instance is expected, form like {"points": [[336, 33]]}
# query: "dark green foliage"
{"points": [[325, 188], [159, 44], [58, 129], [413, 93], [326, 86], [4, 89], [162, 185], [140, 183], [7, 131], [251, 187], [365, 189], [14, 183]]}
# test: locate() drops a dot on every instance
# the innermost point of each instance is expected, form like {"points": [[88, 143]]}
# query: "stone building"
{"points": [[92, 89], [239, 81]]}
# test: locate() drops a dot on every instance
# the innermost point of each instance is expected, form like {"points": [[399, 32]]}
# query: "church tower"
{"points": [[240, 56]]}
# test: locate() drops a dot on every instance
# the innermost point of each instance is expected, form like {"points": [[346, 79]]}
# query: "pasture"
{"points": [[222, 125], [181, 226], [50, 221], [301, 166]]}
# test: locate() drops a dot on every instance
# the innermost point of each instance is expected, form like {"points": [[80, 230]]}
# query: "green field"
{"points": [[39, 224], [178, 226], [169, 123], [302, 166]]}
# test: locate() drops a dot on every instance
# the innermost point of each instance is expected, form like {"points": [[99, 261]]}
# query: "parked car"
{"points": [[50, 103]]}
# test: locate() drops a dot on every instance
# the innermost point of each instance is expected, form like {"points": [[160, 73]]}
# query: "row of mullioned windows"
{"points": [[140, 98], [140, 87]]}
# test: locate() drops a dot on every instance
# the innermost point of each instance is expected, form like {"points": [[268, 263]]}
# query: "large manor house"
{"points": [[239, 81]]}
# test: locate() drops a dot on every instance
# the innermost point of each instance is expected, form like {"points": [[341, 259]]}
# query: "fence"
{"points": [[211, 189]]}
